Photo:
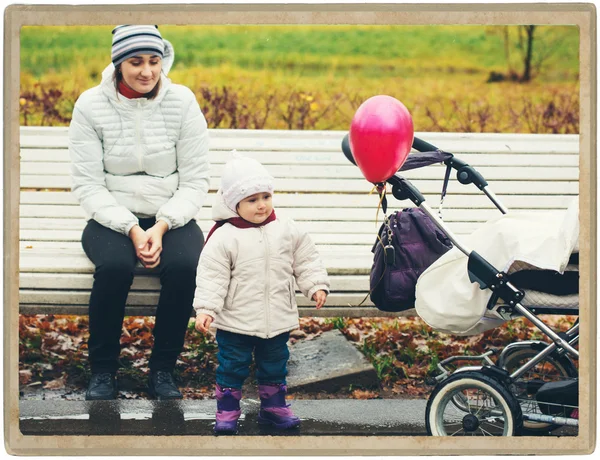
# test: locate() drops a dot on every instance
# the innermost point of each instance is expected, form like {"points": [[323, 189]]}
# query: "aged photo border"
{"points": [[581, 15]]}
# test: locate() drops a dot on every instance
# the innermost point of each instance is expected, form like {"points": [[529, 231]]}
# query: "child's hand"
{"points": [[319, 297], [203, 322]]}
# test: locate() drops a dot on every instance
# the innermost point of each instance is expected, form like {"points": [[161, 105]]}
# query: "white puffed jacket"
{"points": [[245, 277], [135, 158]]}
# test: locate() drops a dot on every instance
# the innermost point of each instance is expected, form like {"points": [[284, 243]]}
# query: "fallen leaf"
{"points": [[298, 334], [364, 394], [56, 384], [25, 376]]}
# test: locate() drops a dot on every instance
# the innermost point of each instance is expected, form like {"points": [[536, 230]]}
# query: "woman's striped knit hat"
{"points": [[132, 40]]}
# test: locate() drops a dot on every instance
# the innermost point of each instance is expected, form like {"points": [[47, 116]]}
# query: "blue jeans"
{"points": [[235, 357]]}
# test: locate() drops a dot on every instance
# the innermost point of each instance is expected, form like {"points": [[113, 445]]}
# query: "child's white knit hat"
{"points": [[242, 177]]}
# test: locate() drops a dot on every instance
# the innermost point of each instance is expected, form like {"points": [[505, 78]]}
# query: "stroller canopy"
{"points": [[448, 301]]}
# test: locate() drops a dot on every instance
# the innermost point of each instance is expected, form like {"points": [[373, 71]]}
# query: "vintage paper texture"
{"points": [[582, 15]]}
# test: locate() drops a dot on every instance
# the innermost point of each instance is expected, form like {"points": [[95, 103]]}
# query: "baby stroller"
{"points": [[530, 386]]}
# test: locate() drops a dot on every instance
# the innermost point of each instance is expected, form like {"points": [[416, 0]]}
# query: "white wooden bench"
{"points": [[315, 185]]}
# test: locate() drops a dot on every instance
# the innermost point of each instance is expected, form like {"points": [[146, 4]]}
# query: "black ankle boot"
{"points": [[162, 386], [103, 386]]}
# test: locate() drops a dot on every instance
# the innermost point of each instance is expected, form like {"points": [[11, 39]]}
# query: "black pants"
{"points": [[114, 256]]}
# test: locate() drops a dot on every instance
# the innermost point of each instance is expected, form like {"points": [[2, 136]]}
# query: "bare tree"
{"points": [[533, 50], [527, 57]]}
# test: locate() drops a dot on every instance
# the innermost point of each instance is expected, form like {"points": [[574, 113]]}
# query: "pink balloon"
{"points": [[381, 136]]}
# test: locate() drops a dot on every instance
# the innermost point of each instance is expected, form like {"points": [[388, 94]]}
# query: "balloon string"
{"points": [[380, 242], [381, 198], [377, 212]]}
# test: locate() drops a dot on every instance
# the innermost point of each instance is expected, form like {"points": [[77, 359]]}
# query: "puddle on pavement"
{"points": [[142, 416], [189, 416], [58, 417]]}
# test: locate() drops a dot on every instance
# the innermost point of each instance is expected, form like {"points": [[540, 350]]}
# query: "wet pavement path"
{"points": [[146, 417], [327, 417]]}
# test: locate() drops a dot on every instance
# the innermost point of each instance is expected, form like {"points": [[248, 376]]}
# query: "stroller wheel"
{"points": [[552, 368], [472, 404]]}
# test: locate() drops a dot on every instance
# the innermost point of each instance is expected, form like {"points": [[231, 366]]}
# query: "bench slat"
{"points": [[74, 247], [217, 157], [285, 172], [330, 200], [318, 238], [62, 131], [143, 298], [41, 225], [281, 140], [512, 187], [337, 263], [141, 282], [327, 311], [350, 215]]}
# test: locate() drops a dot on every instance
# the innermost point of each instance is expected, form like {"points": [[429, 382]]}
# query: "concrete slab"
{"points": [[328, 362]]}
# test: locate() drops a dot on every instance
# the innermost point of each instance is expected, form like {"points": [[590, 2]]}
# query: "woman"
{"points": [[139, 152]]}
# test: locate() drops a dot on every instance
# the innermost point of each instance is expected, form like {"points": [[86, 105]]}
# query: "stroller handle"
{"points": [[465, 174], [422, 146]]}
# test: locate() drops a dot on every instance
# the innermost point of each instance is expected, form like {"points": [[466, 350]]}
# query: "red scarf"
{"points": [[240, 223], [128, 92]]}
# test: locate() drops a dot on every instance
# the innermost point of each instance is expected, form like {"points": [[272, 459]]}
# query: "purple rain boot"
{"points": [[273, 408], [228, 410]]}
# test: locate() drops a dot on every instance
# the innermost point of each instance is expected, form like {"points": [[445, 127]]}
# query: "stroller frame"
{"points": [[548, 349], [487, 276], [480, 270]]}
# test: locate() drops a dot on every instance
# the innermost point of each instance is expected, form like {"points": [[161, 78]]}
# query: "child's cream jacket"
{"points": [[245, 277]]}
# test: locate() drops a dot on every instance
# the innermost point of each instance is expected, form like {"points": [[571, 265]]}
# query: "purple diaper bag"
{"points": [[415, 244]]}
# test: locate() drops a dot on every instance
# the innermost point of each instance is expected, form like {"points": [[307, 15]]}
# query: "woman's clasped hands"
{"points": [[148, 244]]}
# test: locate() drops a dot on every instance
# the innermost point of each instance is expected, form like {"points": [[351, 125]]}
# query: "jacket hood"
{"points": [[167, 62], [220, 211]]}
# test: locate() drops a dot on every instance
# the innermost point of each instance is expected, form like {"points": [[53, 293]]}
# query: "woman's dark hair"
{"points": [[118, 78]]}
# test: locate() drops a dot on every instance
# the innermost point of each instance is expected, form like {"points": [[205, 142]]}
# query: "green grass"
{"points": [[439, 72], [337, 322], [360, 51]]}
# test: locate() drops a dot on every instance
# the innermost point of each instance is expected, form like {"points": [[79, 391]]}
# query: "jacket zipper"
{"points": [[267, 287], [138, 137]]}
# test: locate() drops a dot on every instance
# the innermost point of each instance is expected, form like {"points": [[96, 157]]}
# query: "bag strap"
{"points": [[371, 290], [444, 189], [387, 229]]}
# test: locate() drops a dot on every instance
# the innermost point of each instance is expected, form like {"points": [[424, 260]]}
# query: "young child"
{"points": [[245, 288]]}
